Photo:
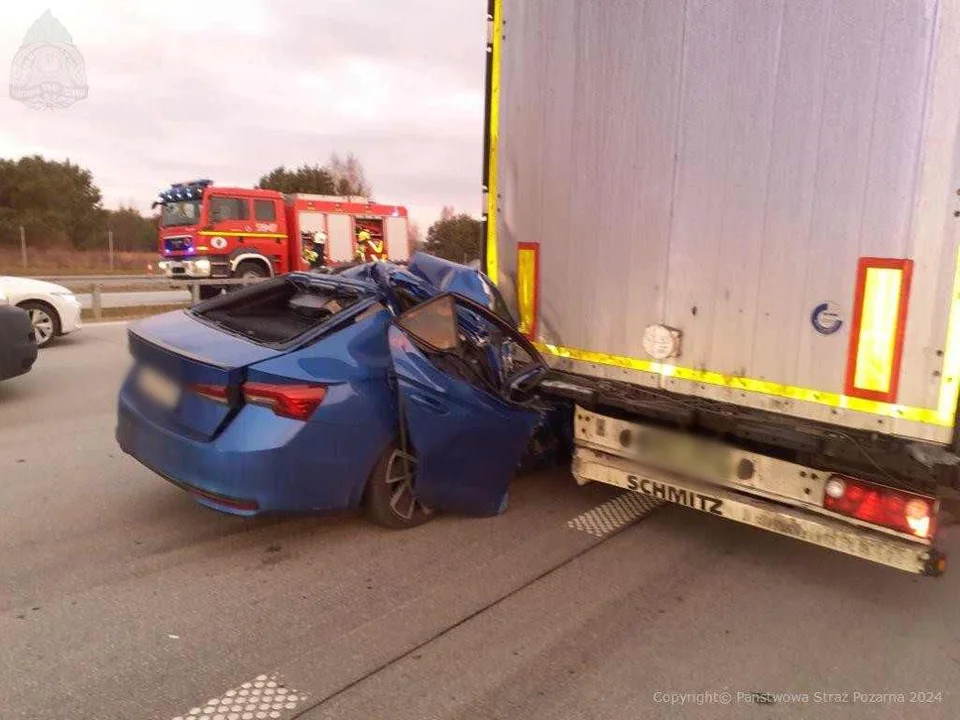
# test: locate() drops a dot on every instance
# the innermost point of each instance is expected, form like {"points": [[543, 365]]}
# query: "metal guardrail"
{"points": [[62, 279], [96, 285]]}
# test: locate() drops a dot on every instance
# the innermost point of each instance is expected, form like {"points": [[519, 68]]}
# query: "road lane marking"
{"points": [[264, 698], [614, 514]]}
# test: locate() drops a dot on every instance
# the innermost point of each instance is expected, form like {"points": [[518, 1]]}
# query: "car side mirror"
{"points": [[434, 323]]}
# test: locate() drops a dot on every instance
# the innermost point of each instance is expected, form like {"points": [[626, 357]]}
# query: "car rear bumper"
{"points": [[259, 463], [591, 465], [18, 351]]}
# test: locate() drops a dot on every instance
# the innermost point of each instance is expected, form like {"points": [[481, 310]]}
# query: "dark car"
{"points": [[18, 342], [406, 390]]}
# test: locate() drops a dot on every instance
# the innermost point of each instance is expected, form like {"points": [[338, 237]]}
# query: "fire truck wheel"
{"points": [[250, 270]]}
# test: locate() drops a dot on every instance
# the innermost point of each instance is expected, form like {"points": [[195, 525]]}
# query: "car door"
{"points": [[466, 381]]}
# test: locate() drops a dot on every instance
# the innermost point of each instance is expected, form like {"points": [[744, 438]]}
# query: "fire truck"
{"points": [[209, 232]]}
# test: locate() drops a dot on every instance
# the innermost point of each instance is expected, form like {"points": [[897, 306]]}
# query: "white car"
{"points": [[54, 310]]}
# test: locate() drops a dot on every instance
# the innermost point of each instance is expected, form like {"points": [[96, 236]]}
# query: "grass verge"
{"points": [[63, 262]]}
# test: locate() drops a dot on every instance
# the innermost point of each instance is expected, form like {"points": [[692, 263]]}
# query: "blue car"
{"points": [[405, 390]]}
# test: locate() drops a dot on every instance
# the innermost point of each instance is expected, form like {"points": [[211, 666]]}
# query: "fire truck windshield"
{"points": [[179, 214]]}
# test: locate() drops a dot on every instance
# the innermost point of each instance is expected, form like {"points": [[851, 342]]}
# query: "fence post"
{"points": [[194, 293], [23, 246], [110, 244], [95, 301]]}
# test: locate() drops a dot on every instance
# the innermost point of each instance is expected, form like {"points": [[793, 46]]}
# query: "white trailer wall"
{"points": [[720, 166]]}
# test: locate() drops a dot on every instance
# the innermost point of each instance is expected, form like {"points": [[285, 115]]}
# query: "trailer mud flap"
{"points": [[591, 465]]}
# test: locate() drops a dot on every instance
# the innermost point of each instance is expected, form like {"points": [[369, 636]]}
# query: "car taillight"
{"points": [[293, 401], [217, 393], [895, 509]]}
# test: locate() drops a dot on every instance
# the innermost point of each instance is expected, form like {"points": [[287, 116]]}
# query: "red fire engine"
{"points": [[217, 232]]}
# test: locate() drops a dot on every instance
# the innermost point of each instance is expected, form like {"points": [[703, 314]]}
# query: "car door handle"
{"points": [[434, 406]]}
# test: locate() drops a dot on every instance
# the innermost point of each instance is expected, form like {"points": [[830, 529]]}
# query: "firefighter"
{"points": [[364, 239], [369, 248], [308, 250], [319, 249], [376, 249]]}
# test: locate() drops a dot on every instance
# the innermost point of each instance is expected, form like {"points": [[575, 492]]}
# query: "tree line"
{"points": [[340, 176], [58, 204]]}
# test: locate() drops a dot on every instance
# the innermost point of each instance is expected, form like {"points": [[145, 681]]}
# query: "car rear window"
{"points": [[279, 312]]}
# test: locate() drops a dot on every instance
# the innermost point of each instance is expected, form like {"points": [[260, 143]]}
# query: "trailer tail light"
{"points": [[297, 402], [217, 393], [878, 505], [879, 322], [528, 287]]}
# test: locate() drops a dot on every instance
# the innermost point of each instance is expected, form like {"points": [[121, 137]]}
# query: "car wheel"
{"points": [[45, 321], [390, 495]]}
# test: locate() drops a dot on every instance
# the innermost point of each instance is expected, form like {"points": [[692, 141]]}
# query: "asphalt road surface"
{"points": [[120, 598]]}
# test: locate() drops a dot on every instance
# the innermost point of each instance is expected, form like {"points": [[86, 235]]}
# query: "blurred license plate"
{"points": [[158, 387], [696, 458]]}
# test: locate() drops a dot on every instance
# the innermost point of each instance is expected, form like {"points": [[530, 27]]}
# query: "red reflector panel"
{"points": [[293, 401], [879, 505], [528, 287], [243, 505], [879, 322], [217, 393]]}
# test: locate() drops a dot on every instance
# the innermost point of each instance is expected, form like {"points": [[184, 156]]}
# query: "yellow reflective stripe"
{"points": [[950, 383], [229, 233], [527, 289], [493, 269], [764, 387], [878, 329]]}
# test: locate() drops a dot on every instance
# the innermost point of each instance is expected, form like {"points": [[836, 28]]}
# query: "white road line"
{"points": [[614, 514], [108, 323], [265, 698]]}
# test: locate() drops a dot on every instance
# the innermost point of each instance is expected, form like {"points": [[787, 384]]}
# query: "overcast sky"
{"points": [[229, 90]]}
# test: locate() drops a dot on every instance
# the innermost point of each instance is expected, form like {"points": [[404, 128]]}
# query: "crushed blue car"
{"points": [[405, 390]]}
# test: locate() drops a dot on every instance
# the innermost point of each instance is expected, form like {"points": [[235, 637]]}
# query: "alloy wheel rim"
{"points": [[401, 471], [42, 325]]}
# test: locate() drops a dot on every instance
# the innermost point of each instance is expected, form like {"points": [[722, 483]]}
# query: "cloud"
{"points": [[229, 90]]}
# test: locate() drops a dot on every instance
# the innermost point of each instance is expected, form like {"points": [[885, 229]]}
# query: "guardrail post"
{"points": [[194, 293], [95, 301]]}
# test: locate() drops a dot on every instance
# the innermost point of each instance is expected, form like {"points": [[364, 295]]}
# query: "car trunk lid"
{"points": [[189, 374], [191, 365]]}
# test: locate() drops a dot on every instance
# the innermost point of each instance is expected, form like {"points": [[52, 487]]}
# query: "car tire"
{"points": [[45, 320], [250, 270], [389, 498]]}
